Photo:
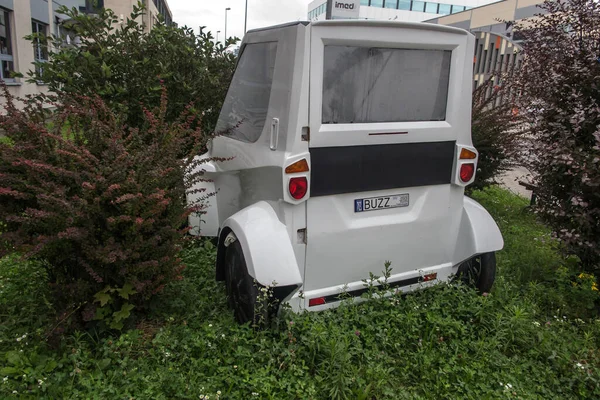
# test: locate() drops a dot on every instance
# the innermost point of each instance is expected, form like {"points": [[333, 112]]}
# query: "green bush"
{"points": [[100, 203], [127, 67]]}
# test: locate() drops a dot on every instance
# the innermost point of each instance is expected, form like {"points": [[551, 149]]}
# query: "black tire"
{"points": [[479, 272], [243, 293]]}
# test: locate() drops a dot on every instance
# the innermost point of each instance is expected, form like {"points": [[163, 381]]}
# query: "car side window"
{"points": [[246, 106]]}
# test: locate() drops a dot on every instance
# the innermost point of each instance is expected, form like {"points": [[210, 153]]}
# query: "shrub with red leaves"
{"points": [[560, 87], [100, 203]]}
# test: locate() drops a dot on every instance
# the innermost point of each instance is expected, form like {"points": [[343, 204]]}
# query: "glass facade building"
{"points": [[402, 10]]}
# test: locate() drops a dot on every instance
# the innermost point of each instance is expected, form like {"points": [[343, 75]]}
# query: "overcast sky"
{"points": [[211, 13]]}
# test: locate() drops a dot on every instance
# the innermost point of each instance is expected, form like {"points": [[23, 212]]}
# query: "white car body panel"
{"points": [[206, 223], [269, 255]]}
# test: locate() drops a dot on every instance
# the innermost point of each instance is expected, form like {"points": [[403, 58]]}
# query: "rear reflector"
{"points": [[319, 301], [466, 172], [298, 166], [430, 277], [466, 154], [298, 187]]}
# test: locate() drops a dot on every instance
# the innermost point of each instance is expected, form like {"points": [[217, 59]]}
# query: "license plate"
{"points": [[381, 203]]}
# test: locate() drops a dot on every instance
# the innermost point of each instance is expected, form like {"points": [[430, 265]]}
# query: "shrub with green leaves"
{"points": [[127, 67], [102, 204]]}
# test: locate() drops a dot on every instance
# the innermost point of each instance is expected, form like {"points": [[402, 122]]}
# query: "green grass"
{"points": [[536, 336]]}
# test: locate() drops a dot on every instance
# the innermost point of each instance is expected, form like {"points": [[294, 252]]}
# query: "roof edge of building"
{"points": [[466, 11]]}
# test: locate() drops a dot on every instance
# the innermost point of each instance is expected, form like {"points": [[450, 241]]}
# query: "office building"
{"points": [[397, 10], [497, 47], [20, 18]]}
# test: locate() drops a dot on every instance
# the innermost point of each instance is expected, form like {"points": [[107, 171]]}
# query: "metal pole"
{"points": [[227, 9], [246, 18], [218, 36]]}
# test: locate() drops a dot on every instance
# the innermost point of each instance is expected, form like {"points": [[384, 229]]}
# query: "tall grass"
{"points": [[536, 336]]}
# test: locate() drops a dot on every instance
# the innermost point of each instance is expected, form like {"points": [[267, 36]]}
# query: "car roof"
{"points": [[369, 24]]}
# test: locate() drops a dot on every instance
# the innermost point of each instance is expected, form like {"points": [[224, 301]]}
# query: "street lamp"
{"points": [[227, 9], [246, 18], [218, 36]]}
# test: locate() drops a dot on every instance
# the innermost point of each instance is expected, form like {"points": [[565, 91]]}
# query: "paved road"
{"points": [[510, 180]]}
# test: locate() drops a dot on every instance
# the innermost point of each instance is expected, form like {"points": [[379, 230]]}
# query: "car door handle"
{"points": [[274, 134]]}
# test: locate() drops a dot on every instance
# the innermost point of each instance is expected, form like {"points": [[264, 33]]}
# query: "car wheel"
{"points": [[479, 272], [244, 295]]}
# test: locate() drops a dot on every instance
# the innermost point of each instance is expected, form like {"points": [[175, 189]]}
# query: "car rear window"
{"points": [[368, 85]]}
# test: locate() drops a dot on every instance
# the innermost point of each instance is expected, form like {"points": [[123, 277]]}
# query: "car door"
{"points": [[389, 103]]}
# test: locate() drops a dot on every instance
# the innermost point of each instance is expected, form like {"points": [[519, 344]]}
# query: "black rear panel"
{"points": [[350, 169]]}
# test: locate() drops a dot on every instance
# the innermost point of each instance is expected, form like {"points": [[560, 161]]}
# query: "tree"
{"points": [[560, 89], [127, 67]]}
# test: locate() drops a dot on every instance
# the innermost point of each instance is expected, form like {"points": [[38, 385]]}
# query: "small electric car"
{"points": [[348, 145]]}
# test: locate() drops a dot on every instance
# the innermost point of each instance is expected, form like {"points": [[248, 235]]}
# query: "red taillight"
{"points": [[298, 187], [466, 172], [430, 277], [319, 301]]}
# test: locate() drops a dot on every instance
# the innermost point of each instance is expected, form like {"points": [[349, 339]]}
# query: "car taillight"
{"points": [[466, 172], [466, 154], [298, 187], [319, 301]]}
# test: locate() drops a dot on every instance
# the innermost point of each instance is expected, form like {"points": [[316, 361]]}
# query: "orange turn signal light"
{"points": [[466, 154], [298, 166]]}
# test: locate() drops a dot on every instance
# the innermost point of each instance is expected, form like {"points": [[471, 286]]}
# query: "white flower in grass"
{"points": [[218, 392], [254, 394], [536, 323], [580, 366]]}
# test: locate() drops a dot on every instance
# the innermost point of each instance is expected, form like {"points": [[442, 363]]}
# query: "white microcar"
{"points": [[351, 145]]}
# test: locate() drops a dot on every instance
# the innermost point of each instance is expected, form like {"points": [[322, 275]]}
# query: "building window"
{"points": [[6, 54], [364, 2], [40, 47], [376, 3], [418, 6], [445, 9], [431, 8], [457, 9], [404, 5], [390, 3], [90, 6]]}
